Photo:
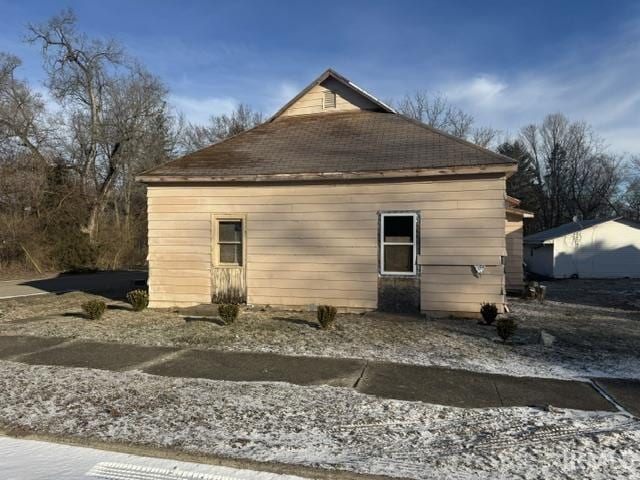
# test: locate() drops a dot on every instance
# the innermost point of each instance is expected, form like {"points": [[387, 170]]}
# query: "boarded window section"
{"points": [[329, 99], [230, 242], [398, 243]]}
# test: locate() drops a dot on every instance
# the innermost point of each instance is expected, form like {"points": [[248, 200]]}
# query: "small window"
{"points": [[329, 100], [230, 242], [398, 243]]}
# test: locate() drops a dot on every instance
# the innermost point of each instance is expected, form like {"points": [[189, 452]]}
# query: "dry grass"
{"points": [[591, 340]]}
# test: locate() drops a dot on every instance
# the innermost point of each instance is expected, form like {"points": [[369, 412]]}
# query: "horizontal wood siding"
{"points": [[312, 102], [312, 244], [452, 244], [514, 272]]}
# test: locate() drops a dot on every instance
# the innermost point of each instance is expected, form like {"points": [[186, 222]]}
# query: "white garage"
{"points": [[608, 248]]}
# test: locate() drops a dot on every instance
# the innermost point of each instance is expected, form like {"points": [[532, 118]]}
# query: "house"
{"points": [[514, 269], [337, 199], [605, 248]]}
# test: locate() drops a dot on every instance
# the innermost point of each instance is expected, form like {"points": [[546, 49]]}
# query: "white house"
{"points": [[606, 248]]}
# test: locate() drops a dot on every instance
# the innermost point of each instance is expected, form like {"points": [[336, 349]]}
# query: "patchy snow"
{"points": [[37, 460], [319, 426], [596, 334]]}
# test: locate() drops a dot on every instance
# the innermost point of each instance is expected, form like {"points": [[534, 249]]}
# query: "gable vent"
{"points": [[329, 100]]}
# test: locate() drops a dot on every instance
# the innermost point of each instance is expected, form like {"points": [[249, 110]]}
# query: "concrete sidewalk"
{"points": [[436, 385]]}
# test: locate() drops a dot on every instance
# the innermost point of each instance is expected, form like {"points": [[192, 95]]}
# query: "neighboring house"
{"points": [[337, 199], [607, 248], [514, 269]]}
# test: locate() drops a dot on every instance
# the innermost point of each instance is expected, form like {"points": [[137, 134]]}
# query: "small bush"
{"points": [[94, 309], [489, 312], [228, 312], [75, 254], [506, 327], [327, 316], [139, 299]]}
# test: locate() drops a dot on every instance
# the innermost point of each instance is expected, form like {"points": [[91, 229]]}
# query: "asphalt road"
{"points": [[114, 283]]}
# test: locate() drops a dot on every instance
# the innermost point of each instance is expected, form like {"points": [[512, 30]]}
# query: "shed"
{"points": [[602, 248], [337, 199]]}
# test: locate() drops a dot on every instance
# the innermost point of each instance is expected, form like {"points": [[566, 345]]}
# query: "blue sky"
{"points": [[506, 62]]}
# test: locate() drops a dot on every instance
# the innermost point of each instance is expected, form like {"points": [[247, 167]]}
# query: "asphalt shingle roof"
{"points": [[566, 229], [331, 142]]}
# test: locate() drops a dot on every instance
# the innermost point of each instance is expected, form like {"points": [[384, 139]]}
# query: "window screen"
{"points": [[398, 245], [230, 241]]}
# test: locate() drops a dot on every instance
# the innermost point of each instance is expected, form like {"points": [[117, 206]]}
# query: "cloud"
{"points": [[198, 110], [597, 85], [481, 90]]}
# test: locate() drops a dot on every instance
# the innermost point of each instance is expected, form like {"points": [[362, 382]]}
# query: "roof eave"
{"points": [[355, 175], [538, 242], [519, 211]]}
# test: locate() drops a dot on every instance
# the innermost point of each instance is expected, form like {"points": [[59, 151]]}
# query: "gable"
{"points": [[360, 138], [313, 101], [344, 96]]}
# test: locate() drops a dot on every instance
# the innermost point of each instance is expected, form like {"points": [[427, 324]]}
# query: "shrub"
{"points": [[489, 312], [228, 312], [139, 299], [94, 309], [75, 254], [506, 327], [327, 316]]}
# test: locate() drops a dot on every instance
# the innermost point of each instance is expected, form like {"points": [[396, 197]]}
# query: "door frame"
{"points": [[215, 254]]}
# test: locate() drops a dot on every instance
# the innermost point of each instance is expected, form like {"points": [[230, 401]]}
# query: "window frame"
{"points": [[414, 244], [216, 239]]}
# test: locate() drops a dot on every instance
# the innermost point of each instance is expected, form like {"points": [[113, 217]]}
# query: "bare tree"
{"points": [[109, 104], [575, 173], [220, 127], [22, 121], [484, 136], [437, 112], [628, 202], [64, 172]]}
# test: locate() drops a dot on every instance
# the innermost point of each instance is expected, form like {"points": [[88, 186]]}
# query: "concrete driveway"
{"points": [[110, 284]]}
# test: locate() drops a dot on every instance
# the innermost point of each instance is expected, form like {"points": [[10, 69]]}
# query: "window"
{"points": [[398, 243], [230, 242], [329, 100]]}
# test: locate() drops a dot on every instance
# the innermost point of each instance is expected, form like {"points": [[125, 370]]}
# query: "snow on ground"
{"points": [[37, 460], [318, 426], [592, 340]]}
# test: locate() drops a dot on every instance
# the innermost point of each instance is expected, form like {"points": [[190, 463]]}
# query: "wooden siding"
{"points": [[312, 244], [312, 102], [514, 273]]}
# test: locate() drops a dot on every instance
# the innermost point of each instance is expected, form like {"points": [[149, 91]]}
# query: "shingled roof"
{"points": [[360, 144], [547, 236]]}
